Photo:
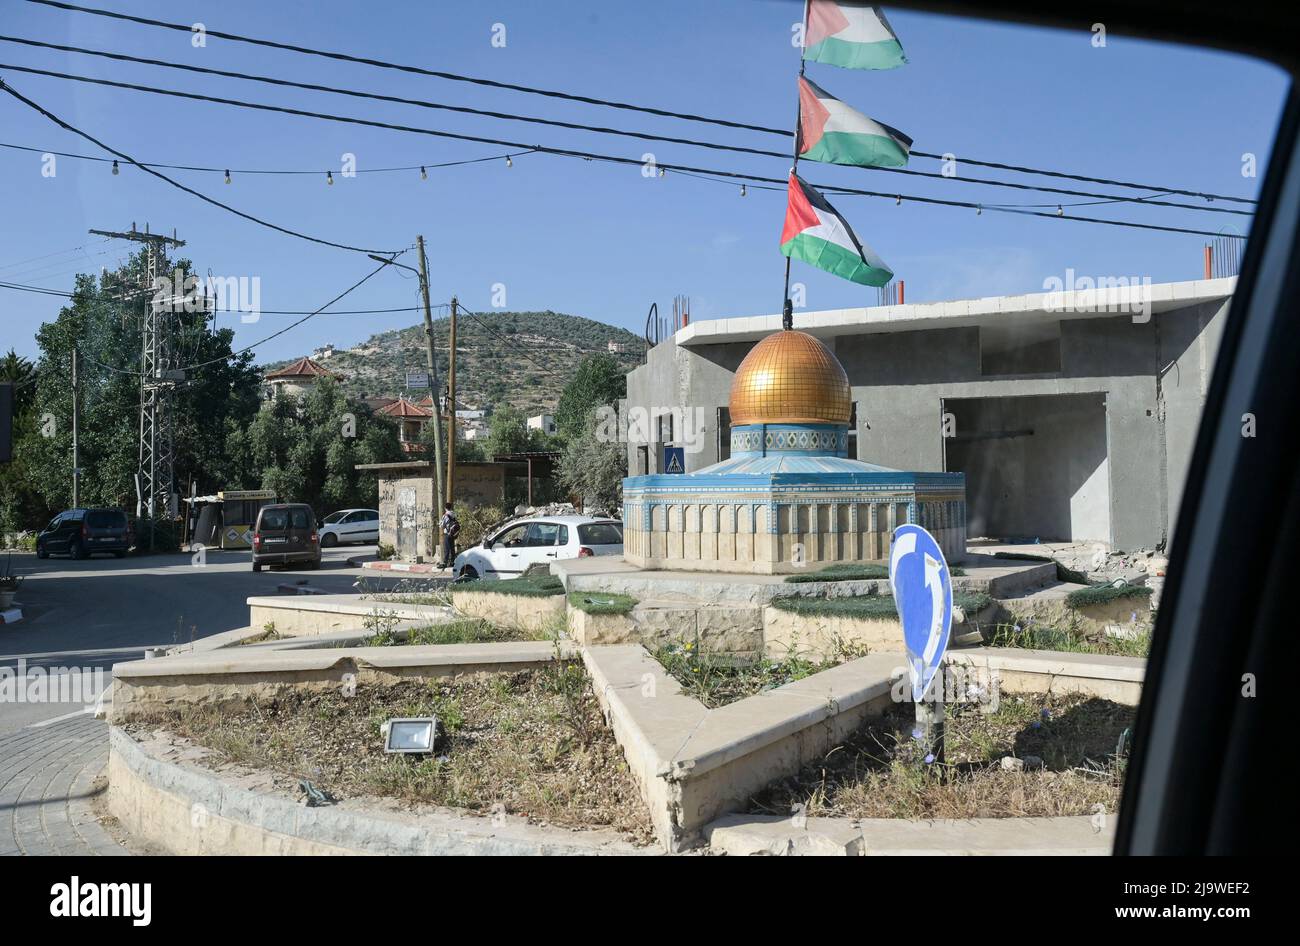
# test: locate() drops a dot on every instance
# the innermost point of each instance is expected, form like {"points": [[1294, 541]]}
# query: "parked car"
{"points": [[83, 532], [349, 525], [507, 552], [285, 534]]}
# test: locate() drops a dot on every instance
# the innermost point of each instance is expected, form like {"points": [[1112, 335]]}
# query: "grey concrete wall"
{"points": [[695, 382], [1151, 374], [1035, 466], [1189, 340]]}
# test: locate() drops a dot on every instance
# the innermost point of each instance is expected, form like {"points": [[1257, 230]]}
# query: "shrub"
{"points": [[385, 551], [845, 572], [163, 535], [476, 522], [595, 603], [866, 606], [1103, 594], [850, 571], [542, 586]]}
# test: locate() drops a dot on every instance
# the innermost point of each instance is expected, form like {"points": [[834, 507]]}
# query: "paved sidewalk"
{"points": [[46, 789]]}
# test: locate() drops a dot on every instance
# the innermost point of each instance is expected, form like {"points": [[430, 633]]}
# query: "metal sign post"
{"points": [[918, 574]]}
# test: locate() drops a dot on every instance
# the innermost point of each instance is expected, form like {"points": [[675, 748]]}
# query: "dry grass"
{"points": [[531, 743], [717, 680], [877, 772]]}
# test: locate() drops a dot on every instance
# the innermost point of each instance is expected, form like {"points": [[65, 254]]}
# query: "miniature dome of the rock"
{"points": [[790, 377]]}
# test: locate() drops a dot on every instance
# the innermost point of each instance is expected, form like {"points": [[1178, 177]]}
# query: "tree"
{"points": [[21, 506], [507, 431], [593, 467], [209, 408], [308, 448], [599, 380]]}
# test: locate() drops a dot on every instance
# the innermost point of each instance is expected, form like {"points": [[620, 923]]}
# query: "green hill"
{"points": [[520, 358]]}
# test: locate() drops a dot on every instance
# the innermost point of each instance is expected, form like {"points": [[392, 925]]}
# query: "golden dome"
{"points": [[790, 378]]}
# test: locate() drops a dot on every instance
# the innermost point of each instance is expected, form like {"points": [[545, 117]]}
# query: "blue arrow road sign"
{"points": [[923, 595], [674, 459]]}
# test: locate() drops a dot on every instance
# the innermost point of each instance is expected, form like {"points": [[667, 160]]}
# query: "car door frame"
{"points": [[1202, 776]]}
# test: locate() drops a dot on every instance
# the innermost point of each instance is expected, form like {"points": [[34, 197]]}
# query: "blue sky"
{"points": [[591, 239]]}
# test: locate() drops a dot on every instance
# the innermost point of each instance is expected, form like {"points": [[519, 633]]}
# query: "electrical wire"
{"points": [[247, 348], [607, 103], [645, 136], [428, 166], [5, 87], [68, 295], [546, 149]]}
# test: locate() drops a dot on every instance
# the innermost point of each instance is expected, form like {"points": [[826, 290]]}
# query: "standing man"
{"points": [[450, 526]]}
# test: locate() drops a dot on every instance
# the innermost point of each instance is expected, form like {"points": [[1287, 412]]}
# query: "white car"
{"points": [[507, 552], [349, 525]]}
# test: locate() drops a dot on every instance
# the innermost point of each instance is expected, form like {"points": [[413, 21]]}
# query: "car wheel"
{"points": [[329, 540], [257, 567], [76, 551], [41, 553], [469, 573]]}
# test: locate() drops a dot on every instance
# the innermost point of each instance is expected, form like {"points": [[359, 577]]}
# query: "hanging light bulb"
{"points": [[424, 175], [1059, 212], [979, 211], [662, 172], [116, 170], [509, 163], [742, 190], [329, 177], [898, 201], [227, 175]]}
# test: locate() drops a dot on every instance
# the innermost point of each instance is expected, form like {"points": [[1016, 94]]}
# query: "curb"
{"points": [[418, 568]]}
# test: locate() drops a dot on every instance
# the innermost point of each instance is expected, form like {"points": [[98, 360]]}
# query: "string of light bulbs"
{"points": [[604, 130], [736, 176], [607, 103]]}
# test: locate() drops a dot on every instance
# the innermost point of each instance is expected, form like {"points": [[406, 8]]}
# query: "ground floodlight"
{"points": [[410, 735]]}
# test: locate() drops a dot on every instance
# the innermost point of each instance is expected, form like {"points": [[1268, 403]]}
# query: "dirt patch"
{"points": [[1071, 746], [530, 743]]}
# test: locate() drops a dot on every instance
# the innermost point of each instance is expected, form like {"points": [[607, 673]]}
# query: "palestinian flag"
{"points": [[850, 35], [831, 132], [816, 234]]}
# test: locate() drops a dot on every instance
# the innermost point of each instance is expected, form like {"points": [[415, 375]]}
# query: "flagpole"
{"points": [[787, 309]]}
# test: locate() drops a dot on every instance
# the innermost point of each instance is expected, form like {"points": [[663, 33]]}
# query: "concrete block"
{"points": [[774, 836]]}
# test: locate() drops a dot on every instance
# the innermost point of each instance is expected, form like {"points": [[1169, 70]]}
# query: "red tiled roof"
{"points": [[302, 368], [404, 408]]}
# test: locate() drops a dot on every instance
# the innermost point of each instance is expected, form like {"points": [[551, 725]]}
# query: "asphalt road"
{"points": [[93, 613]]}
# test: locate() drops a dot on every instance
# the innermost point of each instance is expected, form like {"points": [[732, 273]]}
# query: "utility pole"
{"points": [[451, 409], [434, 386], [158, 376], [76, 458]]}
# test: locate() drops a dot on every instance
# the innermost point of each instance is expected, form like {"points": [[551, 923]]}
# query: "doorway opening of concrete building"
{"points": [[1037, 467]]}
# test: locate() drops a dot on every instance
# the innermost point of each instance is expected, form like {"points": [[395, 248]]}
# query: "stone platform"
{"points": [[612, 574]]}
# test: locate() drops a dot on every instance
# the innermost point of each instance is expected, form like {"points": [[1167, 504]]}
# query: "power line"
{"points": [[427, 166], [33, 259], [69, 295], [649, 137], [189, 190], [569, 152], [212, 361], [645, 136], [608, 103]]}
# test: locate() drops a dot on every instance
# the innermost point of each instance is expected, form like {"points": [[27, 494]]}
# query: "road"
{"points": [[80, 618]]}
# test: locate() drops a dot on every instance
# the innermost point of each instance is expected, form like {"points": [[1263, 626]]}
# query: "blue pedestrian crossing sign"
{"points": [[674, 459], [922, 587]]}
